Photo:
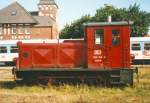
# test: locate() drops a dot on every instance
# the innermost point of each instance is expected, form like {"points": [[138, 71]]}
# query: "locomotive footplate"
{"points": [[100, 77]]}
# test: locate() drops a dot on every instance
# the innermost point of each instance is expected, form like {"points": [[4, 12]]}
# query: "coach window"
{"points": [[115, 37], [147, 46], [14, 49], [136, 47], [99, 36], [3, 49]]}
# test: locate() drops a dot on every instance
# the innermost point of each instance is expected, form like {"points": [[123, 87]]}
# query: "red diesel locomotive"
{"points": [[103, 56]]}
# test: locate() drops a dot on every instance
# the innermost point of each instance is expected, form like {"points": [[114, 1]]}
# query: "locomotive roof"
{"points": [[108, 23]]}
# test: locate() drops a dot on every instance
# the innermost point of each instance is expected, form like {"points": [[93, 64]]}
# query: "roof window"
{"points": [[14, 13]]}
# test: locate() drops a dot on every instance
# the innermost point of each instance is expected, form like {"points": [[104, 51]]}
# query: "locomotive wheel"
{"points": [[45, 80]]}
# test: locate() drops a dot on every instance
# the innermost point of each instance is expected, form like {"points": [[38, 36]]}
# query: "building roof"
{"points": [[48, 2], [34, 13], [43, 21], [15, 13]]}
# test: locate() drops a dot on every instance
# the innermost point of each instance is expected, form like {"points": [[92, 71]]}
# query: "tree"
{"points": [[75, 29], [103, 13], [140, 18]]}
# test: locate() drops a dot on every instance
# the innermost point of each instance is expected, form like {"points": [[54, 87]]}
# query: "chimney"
{"points": [[109, 19]]}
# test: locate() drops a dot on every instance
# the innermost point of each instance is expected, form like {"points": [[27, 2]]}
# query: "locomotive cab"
{"points": [[108, 45]]}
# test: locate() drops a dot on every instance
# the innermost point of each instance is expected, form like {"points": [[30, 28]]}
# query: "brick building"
{"points": [[16, 23]]}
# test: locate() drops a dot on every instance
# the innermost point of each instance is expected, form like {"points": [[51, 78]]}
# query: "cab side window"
{"points": [[99, 36], [115, 37]]}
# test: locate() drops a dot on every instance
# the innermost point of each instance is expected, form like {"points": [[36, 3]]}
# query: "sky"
{"points": [[70, 10]]}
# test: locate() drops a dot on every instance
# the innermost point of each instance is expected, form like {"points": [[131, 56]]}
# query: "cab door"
{"points": [[115, 48], [95, 47]]}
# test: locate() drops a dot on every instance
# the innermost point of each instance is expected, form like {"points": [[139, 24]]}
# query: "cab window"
{"points": [[99, 36], [136, 47], [115, 37]]}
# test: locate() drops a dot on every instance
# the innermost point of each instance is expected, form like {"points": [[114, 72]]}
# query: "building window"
{"points": [[5, 29], [14, 13], [21, 29], [1, 29], [47, 8], [8, 29], [14, 49], [136, 47], [27, 29], [99, 36], [13, 29], [52, 15], [41, 7], [3, 49]]}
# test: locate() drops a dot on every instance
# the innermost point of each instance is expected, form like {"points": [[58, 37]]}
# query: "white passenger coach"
{"points": [[140, 49]]}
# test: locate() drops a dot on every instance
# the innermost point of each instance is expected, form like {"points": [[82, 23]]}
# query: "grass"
{"points": [[11, 92]]}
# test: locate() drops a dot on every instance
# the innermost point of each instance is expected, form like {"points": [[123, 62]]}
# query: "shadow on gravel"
{"points": [[8, 84], [13, 84]]}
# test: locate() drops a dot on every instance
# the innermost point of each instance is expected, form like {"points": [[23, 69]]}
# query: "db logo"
{"points": [[97, 52]]}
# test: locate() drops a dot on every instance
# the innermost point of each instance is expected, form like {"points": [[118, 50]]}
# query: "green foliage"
{"points": [[117, 14], [140, 18], [75, 30]]}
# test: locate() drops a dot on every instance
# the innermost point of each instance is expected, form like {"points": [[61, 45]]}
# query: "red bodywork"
{"points": [[63, 55], [86, 53], [107, 55]]}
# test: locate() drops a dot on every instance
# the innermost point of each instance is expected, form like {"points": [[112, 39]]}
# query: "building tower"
{"points": [[48, 8]]}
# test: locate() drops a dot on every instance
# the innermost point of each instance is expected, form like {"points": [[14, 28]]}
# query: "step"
{"points": [[115, 76], [116, 82]]}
